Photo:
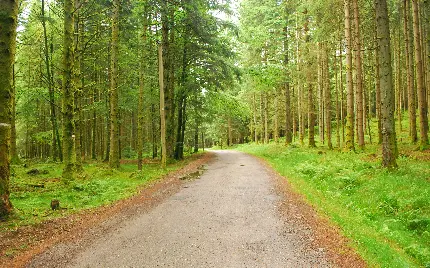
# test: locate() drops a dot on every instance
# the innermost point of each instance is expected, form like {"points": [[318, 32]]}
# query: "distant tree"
{"points": [[410, 72], [359, 75]]}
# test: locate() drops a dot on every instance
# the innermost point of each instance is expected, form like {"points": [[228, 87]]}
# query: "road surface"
{"points": [[229, 217]]}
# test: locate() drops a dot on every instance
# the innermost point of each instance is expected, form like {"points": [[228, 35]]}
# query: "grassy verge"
{"points": [[386, 214], [31, 195]]}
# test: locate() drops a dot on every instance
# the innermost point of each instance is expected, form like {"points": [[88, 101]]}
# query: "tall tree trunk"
{"points": [[114, 107], [179, 147], [196, 139], [389, 143], [56, 151], [140, 108], [349, 142], [170, 96], [399, 82], [69, 154], [162, 110], [94, 126], [342, 109], [229, 132], [337, 105], [8, 24], [266, 119], [311, 116], [288, 109], [78, 83], [378, 89], [254, 108], [275, 119], [422, 103], [262, 131], [321, 82], [327, 98], [13, 150], [359, 76]]}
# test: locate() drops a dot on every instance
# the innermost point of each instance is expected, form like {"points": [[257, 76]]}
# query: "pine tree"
{"points": [[389, 143], [8, 24]]}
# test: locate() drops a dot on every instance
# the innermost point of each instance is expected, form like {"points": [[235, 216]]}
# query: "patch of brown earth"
{"points": [[19, 246]]}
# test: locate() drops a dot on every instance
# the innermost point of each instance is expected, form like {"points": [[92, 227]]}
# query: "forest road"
{"points": [[229, 217]]}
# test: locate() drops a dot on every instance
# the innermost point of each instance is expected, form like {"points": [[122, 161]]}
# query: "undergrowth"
{"points": [[31, 194]]}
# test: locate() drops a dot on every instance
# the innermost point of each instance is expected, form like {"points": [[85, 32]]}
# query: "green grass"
{"points": [[386, 214], [97, 186]]}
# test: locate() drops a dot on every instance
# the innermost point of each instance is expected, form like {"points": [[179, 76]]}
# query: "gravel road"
{"points": [[229, 217]]}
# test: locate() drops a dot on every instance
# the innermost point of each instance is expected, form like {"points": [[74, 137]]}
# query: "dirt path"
{"points": [[230, 217]]}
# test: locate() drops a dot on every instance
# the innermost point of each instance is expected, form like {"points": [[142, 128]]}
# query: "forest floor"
{"points": [[385, 213], [235, 212], [33, 228]]}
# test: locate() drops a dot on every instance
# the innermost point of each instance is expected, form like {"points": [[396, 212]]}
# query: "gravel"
{"points": [[229, 216]]}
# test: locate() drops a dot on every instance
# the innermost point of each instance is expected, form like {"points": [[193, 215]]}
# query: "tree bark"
{"points": [[311, 116], [321, 107], [275, 119], [162, 110], [13, 150], [349, 139], [266, 120], [8, 24], [288, 109], [337, 106], [140, 108], [422, 103], [327, 98], [114, 108], [359, 76], [389, 143], [378, 89], [255, 118], [78, 82], [69, 153]]}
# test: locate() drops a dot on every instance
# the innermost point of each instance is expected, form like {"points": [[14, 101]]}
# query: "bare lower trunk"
{"points": [[327, 98], [114, 154], [349, 140], [359, 76], [422, 102], [311, 116], [389, 144], [162, 111], [8, 24], [69, 154]]}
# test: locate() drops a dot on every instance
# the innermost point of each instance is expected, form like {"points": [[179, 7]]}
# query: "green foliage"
{"points": [[386, 214], [99, 185]]}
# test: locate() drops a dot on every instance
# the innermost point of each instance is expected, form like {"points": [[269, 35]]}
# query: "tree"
{"points": [[69, 154], [140, 108], [422, 102], [114, 107], [8, 24], [410, 73], [389, 143], [359, 75], [56, 142], [162, 109], [349, 142]]}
